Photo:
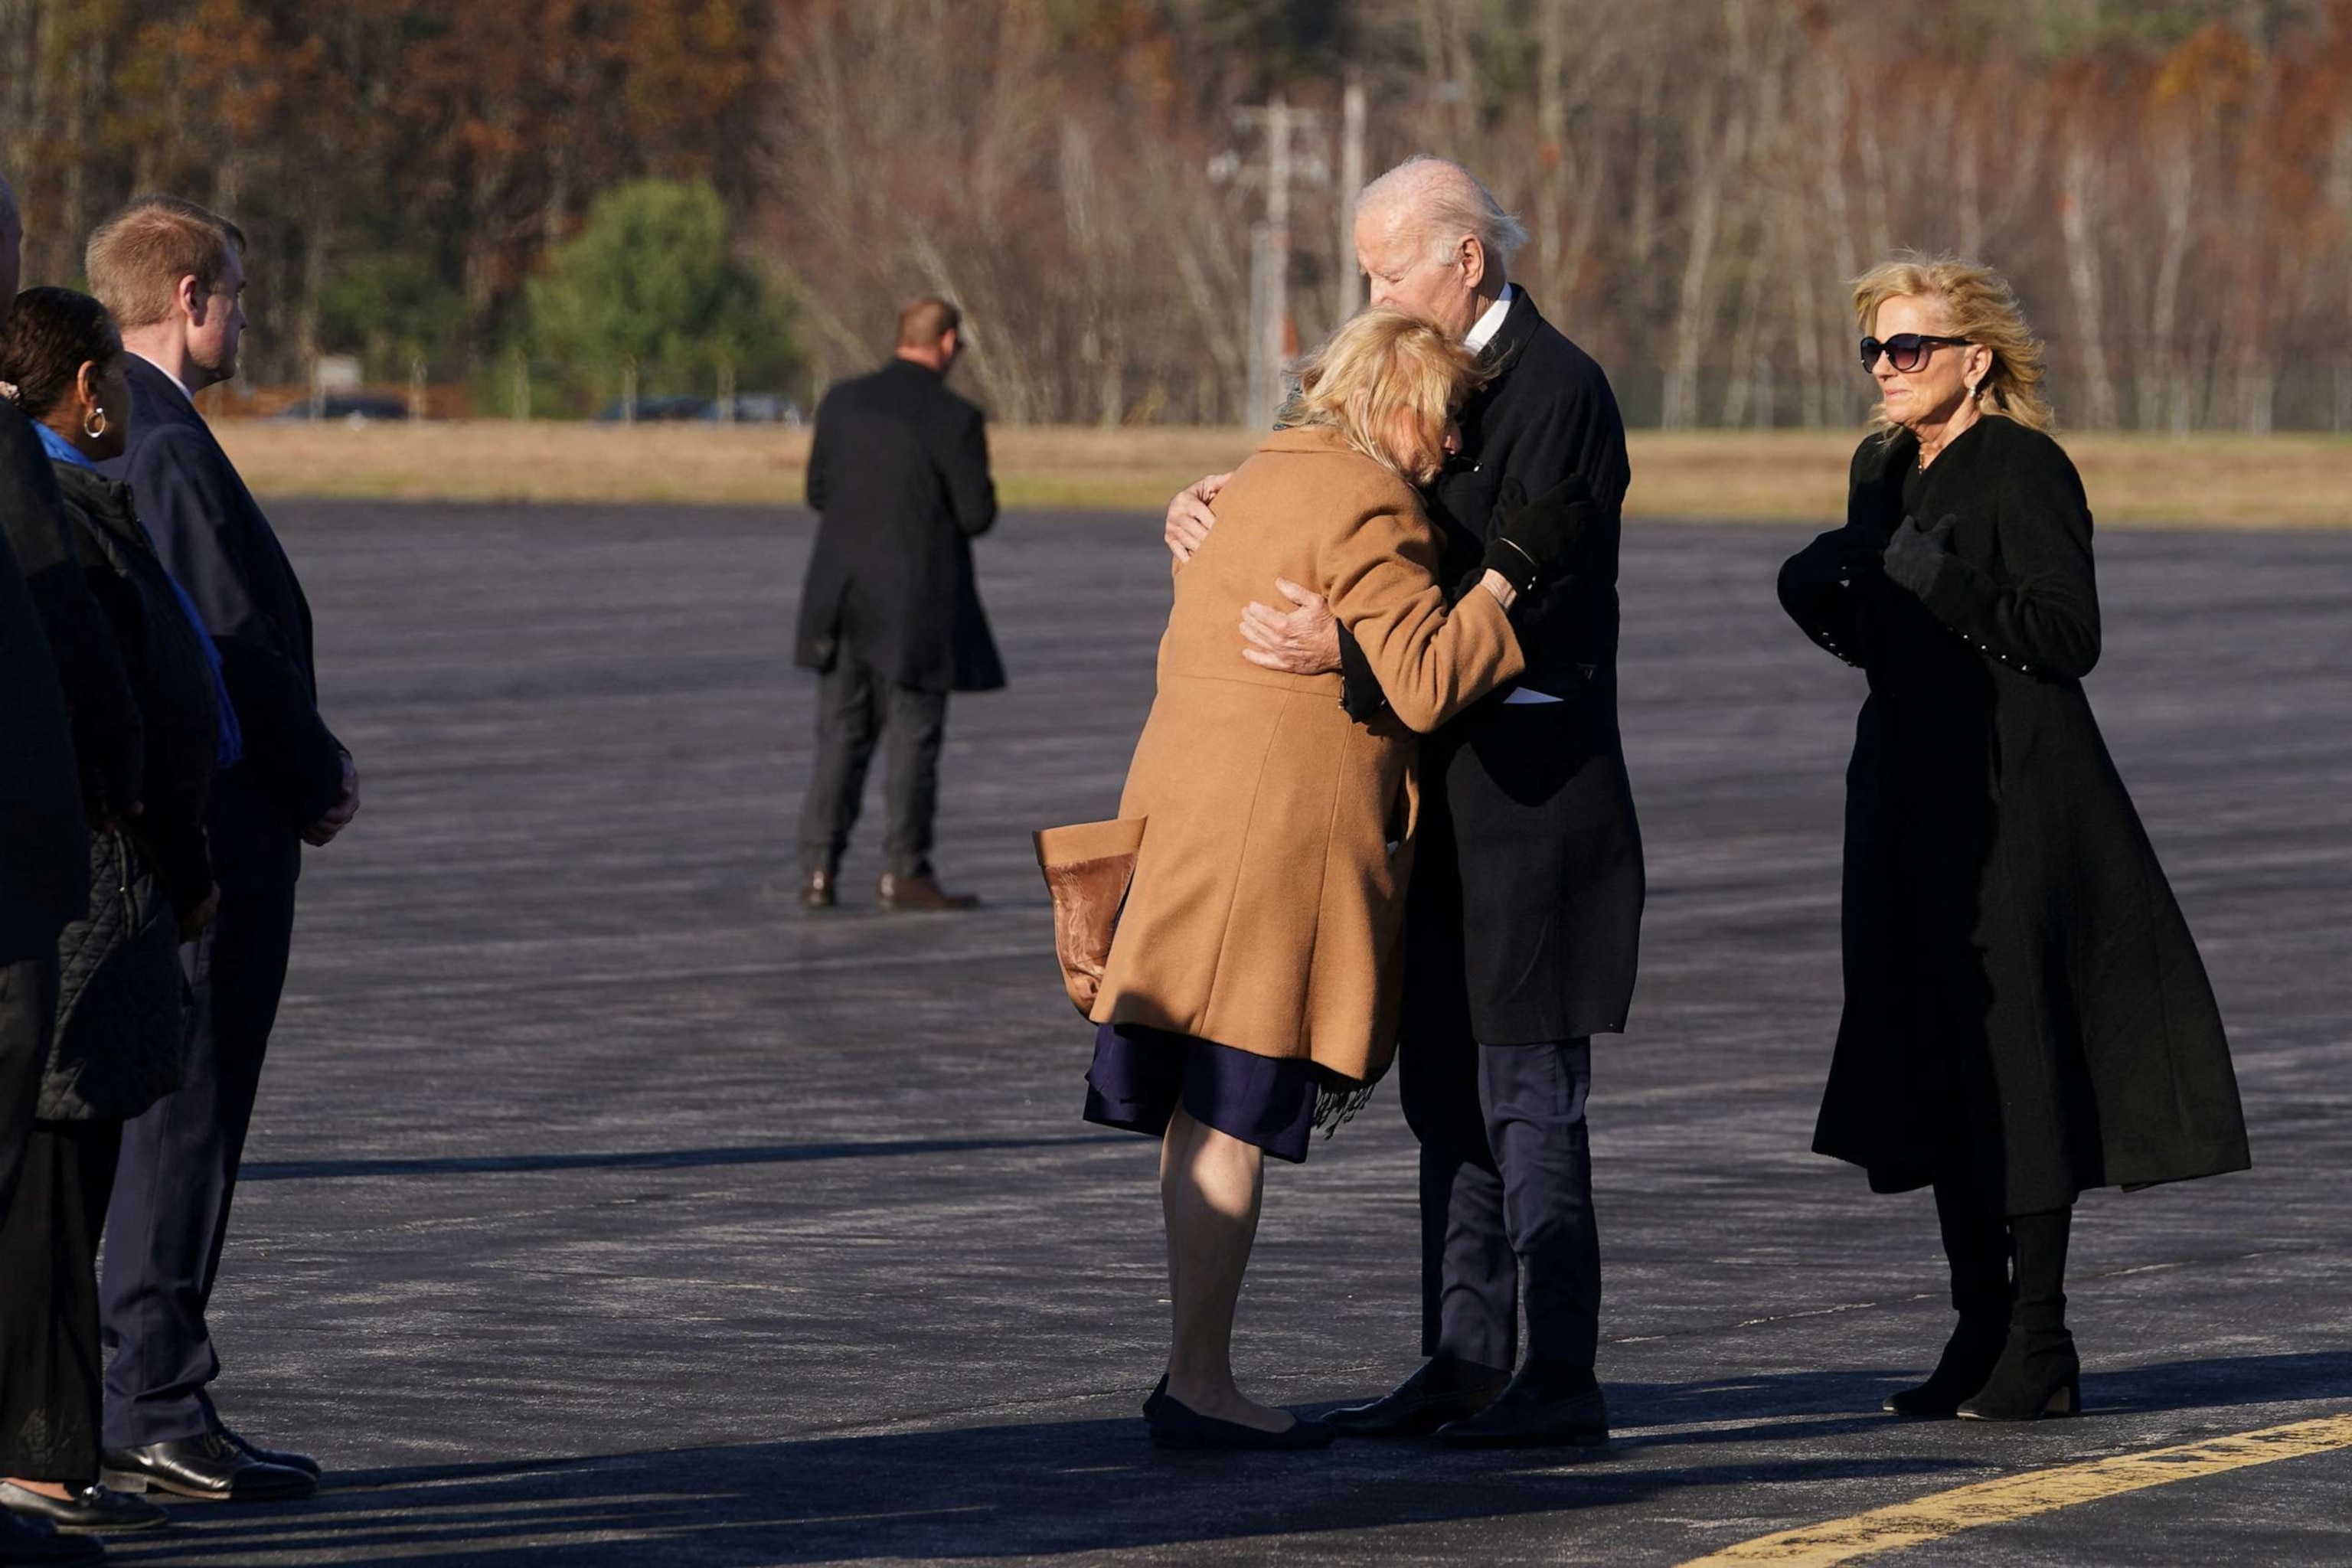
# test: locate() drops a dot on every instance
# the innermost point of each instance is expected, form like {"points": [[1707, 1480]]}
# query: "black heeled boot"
{"points": [[1976, 1243], [2039, 1373]]}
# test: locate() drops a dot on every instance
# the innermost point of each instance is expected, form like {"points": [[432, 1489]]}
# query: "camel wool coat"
{"points": [[1266, 907]]}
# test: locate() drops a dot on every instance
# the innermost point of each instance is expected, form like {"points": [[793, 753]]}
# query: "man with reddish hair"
{"points": [[173, 276]]}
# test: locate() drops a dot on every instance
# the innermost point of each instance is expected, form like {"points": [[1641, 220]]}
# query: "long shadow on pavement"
{"points": [[1096, 1486], [998, 1492], [651, 1159]]}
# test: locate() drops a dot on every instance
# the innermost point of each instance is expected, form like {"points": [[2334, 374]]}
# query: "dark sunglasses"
{"points": [[1906, 352]]}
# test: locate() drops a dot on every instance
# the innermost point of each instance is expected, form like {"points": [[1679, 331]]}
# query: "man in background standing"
{"points": [[891, 613], [173, 276]]}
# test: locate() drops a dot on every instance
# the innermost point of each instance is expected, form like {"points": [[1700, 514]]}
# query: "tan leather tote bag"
{"points": [[1089, 867]]}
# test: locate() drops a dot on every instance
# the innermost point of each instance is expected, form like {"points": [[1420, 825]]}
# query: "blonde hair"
{"points": [[1974, 303], [1379, 363], [137, 257]]}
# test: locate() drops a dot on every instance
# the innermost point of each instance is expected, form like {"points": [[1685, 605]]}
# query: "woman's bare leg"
{"points": [[1210, 1184]]}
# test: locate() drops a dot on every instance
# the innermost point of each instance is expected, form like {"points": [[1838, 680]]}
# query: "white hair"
{"points": [[1448, 204]]}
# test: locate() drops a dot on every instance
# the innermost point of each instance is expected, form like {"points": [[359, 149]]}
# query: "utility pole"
{"points": [[1270, 331], [1274, 325], [1352, 181]]}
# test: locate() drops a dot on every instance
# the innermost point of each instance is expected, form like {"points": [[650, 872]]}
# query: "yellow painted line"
{"points": [[1939, 1515]]}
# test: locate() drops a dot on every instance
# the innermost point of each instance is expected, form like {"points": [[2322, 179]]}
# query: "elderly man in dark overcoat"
{"points": [[1524, 917], [890, 615]]}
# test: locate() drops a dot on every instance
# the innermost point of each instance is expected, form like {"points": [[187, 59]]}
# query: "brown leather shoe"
{"points": [[922, 892], [816, 892]]}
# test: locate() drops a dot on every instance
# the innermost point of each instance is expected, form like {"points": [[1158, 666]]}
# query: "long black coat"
{"points": [[44, 839], [218, 545], [899, 469], [1524, 920], [2022, 995]]}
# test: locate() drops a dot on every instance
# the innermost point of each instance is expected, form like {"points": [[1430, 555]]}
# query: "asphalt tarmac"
{"points": [[605, 1208]]}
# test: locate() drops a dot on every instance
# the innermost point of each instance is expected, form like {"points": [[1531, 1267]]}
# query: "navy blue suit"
{"points": [[179, 1163]]}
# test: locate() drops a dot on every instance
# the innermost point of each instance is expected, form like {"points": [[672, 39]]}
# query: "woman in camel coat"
{"points": [[1255, 968]]}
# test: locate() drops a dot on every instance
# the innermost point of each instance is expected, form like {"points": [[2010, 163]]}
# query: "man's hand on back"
{"points": [[1189, 518], [1302, 640]]}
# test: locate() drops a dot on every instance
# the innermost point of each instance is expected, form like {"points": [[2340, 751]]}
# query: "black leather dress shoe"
{"points": [[1176, 1425], [1445, 1389], [279, 1456], [37, 1541], [208, 1468], [1539, 1410], [91, 1511]]}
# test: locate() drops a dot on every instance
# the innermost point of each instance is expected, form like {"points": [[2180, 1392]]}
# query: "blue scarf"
{"points": [[230, 748]]}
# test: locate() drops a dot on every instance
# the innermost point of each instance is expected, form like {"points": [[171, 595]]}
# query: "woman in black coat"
{"points": [[116, 1045], [2026, 1015]]}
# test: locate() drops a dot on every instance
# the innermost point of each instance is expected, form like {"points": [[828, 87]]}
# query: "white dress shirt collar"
{"points": [[1483, 331], [191, 397]]}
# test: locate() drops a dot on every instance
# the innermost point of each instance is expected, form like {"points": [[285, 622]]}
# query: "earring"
{"points": [[95, 426]]}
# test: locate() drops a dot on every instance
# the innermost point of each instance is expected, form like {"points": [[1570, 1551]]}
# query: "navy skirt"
{"points": [[1141, 1076]]}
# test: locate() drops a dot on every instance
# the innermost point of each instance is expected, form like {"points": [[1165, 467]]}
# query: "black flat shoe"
{"points": [[1444, 1389], [32, 1541], [1177, 1425], [1156, 1398], [279, 1456], [91, 1511], [207, 1468], [1537, 1411], [2039, 1375], [1966, 1366]]}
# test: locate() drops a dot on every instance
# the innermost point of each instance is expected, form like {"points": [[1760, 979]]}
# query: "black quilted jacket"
{"points": [[121, 999]]}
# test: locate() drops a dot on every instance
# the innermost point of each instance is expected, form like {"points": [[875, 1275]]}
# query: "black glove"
{"points": [[1912, 557], [1542, 540]]}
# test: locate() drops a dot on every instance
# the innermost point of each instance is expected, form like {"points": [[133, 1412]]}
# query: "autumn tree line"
{"points": [[709, 191]]}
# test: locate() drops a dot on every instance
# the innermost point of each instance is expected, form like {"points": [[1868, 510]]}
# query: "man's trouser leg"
{"points": [[1533, 1097], [178, 1171], [848, 704], [916, 728], [1469, 1275]]}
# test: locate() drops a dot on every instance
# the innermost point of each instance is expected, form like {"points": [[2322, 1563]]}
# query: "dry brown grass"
{"points": [[2281, 481]]}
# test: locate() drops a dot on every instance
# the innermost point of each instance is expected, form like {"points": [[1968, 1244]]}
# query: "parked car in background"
{"points": [[747, 408], [761, 409], [657, 410], [346, 408]]}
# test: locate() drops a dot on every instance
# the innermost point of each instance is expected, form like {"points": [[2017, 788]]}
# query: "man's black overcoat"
{"points": [[44, 842], [1524, 919], [2021, 992], [899, 469], [214, 537]]}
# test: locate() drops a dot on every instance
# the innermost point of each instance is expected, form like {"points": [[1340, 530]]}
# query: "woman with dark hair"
{"points": [[2026, 1015], [116, 1045]]}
